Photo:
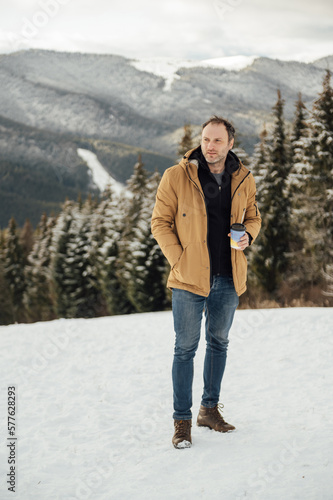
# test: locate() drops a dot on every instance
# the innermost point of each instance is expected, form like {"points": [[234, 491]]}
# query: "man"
{"points": [[196, 202]]}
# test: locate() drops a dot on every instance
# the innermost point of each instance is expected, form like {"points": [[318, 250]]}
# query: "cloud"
{"points": [[194, 29]]}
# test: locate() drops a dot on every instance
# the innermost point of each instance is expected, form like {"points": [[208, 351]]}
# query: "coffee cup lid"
{"points": [[238, 227]]}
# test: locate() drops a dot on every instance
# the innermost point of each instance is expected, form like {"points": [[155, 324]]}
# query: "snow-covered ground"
{"points": [[101, 178], [167, 67], [94, 410]]}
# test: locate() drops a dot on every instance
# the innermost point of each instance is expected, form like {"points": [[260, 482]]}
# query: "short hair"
{"points": [[218, 120]]}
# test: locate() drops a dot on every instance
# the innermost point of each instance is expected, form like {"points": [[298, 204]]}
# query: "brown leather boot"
{"points": [[182, 435], [212, 418]]}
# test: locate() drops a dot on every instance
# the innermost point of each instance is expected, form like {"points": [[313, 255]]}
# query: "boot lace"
{"points": [[181, 428], [218, 412]]}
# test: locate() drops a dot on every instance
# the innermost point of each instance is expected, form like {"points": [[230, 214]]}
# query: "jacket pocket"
{"points": [[177, 264], [172, 254], [188, 269]]}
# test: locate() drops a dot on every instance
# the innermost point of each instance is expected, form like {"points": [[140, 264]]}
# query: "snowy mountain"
{"points": [[168, 68], [94, 410], [54, 103], [145, 103]]}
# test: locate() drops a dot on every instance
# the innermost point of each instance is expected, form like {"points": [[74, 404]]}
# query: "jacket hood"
{"points": [[195, 155]]}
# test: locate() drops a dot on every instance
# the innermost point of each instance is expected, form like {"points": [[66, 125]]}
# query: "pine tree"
{"points": [[136, 186], [61, 275], [6, 304], [301, 258], [259, 161], [14, 262], [320, 164], [27, 237], [131, 207], [328, 276], [241, 153], [74, 273], [2, 241], [186, 142], [86, 300], [300, 124], [299, 174], [109, 224], [259, 167], [38, 299], [6, 316], [271, 258], [147, 266]]}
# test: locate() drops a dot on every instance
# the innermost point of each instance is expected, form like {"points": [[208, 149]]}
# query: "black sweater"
{"points": [[218, 204]]}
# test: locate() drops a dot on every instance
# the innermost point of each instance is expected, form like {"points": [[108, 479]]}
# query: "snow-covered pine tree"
{"points": [[6, 316], [136, 186], [131, 207], [86, 300], [186, 142], [147, 266], [61, 273], [108, 222], [38, 299], [320, 153], [241, 153], [5, 299], [299, 174], [27, 237], [259, 167], [298, 187], [328, 276], [300, 125], [14, 262], [271, 258], [259, 162], [74, 273], [2, 241]]}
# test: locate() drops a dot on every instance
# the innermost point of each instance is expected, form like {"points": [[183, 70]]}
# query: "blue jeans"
{"points": [[187, 307]]}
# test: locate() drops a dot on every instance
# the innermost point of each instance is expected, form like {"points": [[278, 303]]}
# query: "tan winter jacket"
{"points": [[179, 225]]}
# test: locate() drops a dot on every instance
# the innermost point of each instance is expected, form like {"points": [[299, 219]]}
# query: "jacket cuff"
{"points": [[250, 237]]}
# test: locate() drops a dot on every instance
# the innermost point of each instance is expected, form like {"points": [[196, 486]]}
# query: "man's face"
{"points": [[215, 143]]}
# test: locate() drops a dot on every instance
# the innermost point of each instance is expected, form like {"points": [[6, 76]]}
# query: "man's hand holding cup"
{"points": [[239, 239]]}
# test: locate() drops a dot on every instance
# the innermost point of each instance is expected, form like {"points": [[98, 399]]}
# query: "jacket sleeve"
{"points": [[163, 219], [252, 218]]}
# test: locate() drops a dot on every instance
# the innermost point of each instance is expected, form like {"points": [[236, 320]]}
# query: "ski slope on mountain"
{"points": [[101, 178], [167, 67], [94, 410]]}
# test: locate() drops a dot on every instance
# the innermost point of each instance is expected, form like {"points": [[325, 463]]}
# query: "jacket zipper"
{"points": [[203, 197], [241, 182], [220, 244]]}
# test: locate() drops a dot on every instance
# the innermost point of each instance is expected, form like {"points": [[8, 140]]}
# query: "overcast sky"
{"points": [[186, 29]]}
